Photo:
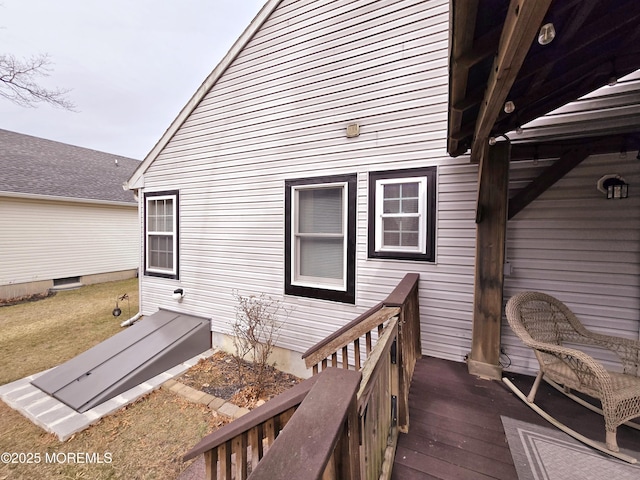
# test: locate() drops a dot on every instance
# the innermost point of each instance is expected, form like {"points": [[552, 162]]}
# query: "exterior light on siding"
{"points": [[613, 186], [547, 34], [178, 294]]}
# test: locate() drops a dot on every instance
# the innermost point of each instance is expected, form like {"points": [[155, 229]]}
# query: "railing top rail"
{"points": [[356, 331], [338, 333], [313, 430], [397, 298], [283, 402], [399, 295]]}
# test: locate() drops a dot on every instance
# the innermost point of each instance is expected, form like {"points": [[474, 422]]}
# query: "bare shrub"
{"points": [[256, 330]]}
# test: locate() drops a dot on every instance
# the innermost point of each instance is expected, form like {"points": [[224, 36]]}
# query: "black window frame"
{"points": [[429, 173], [176, 255], [344, 296]]}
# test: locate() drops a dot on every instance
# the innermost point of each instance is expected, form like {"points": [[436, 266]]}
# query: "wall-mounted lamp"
{"points": [[178, 294], [613, 186]]}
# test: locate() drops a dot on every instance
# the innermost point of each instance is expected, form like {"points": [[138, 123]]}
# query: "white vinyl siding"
{"points": [[280, 112], [574, 244], [46, 239]]}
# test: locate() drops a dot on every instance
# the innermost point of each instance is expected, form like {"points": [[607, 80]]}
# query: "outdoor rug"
{"points": [[546, 453]]}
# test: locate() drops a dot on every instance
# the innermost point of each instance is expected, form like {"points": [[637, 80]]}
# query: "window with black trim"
{"points": [[402, 214], [161, 234], [320, 231]]}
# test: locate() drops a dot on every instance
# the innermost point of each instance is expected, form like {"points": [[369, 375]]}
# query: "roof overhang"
{"points": [[496, 58]]}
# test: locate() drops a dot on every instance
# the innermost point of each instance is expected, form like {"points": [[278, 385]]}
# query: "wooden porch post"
{"points": [[491, 222]]}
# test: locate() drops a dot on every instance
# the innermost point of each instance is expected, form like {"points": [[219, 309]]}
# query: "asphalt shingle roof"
{"points": [[36, 166]]}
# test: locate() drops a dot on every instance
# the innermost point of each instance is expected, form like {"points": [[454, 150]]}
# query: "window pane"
{"points": [[409, 205], [409, 239], [392, 191], [321, 257], [320, 210], [161, 252], [410, 189], [391, 206], [160, 215], [401, 232]]}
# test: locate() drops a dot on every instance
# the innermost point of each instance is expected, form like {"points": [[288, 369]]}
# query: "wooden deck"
{"points": [[455, 427]]}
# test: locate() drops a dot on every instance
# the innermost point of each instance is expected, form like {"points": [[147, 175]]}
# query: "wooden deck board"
{"points": [[455, 430]]}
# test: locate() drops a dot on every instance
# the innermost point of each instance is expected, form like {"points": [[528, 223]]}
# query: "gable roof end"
{"points": [[136, 180]]}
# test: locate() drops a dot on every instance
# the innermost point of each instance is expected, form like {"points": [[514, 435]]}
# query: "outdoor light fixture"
{"points": [[509, 107], [547, 34], [178, 294], [613, 186]]}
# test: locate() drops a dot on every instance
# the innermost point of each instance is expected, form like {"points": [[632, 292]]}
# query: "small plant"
{"points": [[256, 330]]}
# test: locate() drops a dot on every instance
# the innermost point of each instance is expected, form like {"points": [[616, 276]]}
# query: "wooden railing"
{"points": [[346, 420]]}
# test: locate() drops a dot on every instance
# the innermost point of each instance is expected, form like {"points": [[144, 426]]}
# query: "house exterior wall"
{"points": [[581, 248], [46, 240], [280, 112]]}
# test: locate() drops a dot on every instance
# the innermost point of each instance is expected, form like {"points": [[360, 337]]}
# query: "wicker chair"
{"points": [[546, 325]]}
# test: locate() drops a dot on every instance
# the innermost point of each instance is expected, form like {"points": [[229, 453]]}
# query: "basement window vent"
{"points": [[59, 282]]}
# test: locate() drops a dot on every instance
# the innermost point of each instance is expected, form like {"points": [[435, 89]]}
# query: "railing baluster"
{"points": [[368, 343], [239, 447], [224, 459], [255, 443], [334, 359], [356, 353], [270, 431], [345, 357], [210, 464]]}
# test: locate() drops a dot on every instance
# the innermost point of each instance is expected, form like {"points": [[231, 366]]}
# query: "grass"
{"points": [[144, 440]]}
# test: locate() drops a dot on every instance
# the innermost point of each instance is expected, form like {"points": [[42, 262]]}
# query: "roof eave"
{"points": [[93, 201]]}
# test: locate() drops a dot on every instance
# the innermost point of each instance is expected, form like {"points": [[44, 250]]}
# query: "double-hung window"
{"points": [[401, 214], [161, 234], [320, 237]]}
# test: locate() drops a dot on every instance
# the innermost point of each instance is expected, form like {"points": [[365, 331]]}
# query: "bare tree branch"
{"points": [[18, 82]]}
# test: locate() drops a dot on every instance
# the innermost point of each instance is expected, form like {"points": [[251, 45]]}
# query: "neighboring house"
{"points": [[66, 218], [313, 165]]}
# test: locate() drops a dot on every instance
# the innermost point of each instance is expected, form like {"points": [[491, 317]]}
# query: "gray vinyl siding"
{"points": [[46, 240], [578, 246], [280, 112]]}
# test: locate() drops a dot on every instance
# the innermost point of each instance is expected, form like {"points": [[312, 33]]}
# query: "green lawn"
{"points": [[35, 336], [144, 440]]}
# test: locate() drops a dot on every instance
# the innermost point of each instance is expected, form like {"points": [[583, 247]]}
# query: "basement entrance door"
{"points": [[147, 348]]}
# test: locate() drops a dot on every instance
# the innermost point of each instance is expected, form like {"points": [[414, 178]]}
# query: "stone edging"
{"points": [[218, 405]]}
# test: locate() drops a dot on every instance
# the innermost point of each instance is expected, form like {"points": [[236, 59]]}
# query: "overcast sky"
{"points": [[131, 65]]}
